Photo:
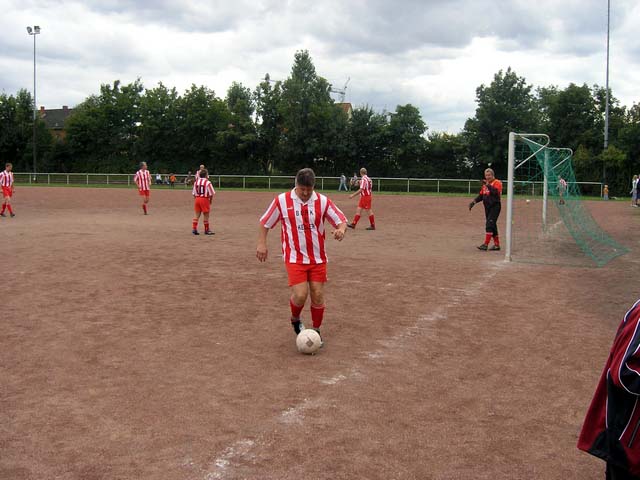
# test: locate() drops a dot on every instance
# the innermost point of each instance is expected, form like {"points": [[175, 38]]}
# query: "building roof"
{"points": [[54, 119]]}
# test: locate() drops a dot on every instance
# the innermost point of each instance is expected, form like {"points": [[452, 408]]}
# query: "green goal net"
{"points": [[548, 219]]}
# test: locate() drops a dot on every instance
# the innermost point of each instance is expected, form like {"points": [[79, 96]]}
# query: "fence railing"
{"points": [[381, 184]]}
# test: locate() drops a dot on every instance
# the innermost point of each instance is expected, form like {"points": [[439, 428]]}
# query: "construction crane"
{"points": [[342, 92]]}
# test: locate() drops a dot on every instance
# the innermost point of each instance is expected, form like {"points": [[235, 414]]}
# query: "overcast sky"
{"points": [[430, 53]]}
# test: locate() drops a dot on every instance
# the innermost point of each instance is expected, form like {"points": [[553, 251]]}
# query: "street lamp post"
{"points": [[34, 31], [606, 101]]}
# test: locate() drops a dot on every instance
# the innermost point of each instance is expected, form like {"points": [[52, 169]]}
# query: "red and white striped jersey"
{"points": [[6, 179], [303, 234], [562, 185], [143, 180], [366, 184], [202, 187]]}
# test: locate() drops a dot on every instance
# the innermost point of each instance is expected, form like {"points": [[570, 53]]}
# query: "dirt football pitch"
{"points": [[131, 349]]}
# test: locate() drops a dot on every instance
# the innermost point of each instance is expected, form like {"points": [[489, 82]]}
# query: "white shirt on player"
{"points": [[6, 179], [303, 234], [143, 180], [366, 184]]}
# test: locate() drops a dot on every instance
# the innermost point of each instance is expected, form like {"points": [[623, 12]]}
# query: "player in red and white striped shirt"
{"points": [[203, 193], [302, 213], [6, 182], [366, 186], [143, 181]]}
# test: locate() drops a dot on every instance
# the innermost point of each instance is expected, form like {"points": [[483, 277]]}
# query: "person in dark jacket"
{"points": [[489, 195], [611, 429]]}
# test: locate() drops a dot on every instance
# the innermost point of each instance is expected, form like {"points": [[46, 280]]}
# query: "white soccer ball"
{"points": [[528, 201], [308, 341]]}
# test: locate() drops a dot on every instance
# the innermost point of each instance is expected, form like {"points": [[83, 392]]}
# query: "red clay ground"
{"points": [[131, 349]]}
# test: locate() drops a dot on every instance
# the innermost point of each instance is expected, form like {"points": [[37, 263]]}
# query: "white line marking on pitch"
{"points": [[294, 415]]}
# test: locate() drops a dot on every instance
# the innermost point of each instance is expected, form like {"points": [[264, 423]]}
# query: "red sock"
{"points": [[9, 208], [295, 309], [487, 238], [206, 226], [144, 207], [4, 205], [496, 241], [372, 221], [195, 223], [356, 219], [317, 313]]}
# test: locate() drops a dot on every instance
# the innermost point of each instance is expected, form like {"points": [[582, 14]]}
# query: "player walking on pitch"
{"points": [[366, 185], [302, 213], [203, 193], [143, 181], [490, 197], [6, 181]]}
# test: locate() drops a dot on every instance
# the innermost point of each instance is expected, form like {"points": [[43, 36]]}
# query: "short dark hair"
{"points": [[306, 178], [203, 173]]}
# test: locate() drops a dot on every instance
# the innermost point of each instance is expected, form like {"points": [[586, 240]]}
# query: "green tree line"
{"points": [[281, 126]]}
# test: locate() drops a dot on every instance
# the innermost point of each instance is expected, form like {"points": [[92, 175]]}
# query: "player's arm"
{"points": [[355, 193], [261, 249], [339, 232]]}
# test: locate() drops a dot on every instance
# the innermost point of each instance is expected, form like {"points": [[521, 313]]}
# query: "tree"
{"points": [[406, 142], [156, 135], [102, 131], [504, 106], [308, 113], [366, 144], [202, 117], [269, 122], [240, 138], [16, 133]]}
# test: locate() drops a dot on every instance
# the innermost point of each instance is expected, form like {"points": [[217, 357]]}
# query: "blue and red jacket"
{"points": [[611, 429]]}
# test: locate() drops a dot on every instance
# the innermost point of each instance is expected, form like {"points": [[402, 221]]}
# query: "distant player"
{"points": [[302, 213], [562, 190], [203, 192], [6, 181], [366, 185], [490, 194], [143, 181], [202, 167]]}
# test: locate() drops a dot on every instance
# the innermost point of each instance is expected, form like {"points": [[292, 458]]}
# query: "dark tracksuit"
{"points": [[490, 197], [611, 429]]}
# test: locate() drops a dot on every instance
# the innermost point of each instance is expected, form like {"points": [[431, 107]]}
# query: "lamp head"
{"points": [[29, 30], [36, 28]]}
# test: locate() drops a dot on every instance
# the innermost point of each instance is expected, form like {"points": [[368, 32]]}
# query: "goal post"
{"points": [[512, 167], [547, 220]]}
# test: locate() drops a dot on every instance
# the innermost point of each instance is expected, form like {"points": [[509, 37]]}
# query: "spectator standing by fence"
{"points": [[634, 191], [343, 183], [353, 183]]}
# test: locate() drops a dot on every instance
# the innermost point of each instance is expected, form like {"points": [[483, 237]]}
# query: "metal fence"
{"points": [[382, 184]]}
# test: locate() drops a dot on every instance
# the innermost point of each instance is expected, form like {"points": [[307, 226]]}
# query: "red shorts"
{"points": [[202, 205], [7, 192], [306, 273], [144, 193], [365, 202]]}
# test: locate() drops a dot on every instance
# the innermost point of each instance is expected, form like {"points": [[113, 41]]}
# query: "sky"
{"points": [[432, 54]]}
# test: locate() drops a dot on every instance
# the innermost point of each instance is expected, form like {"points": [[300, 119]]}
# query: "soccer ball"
{"points": [[308, 341], [528, 201]]}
